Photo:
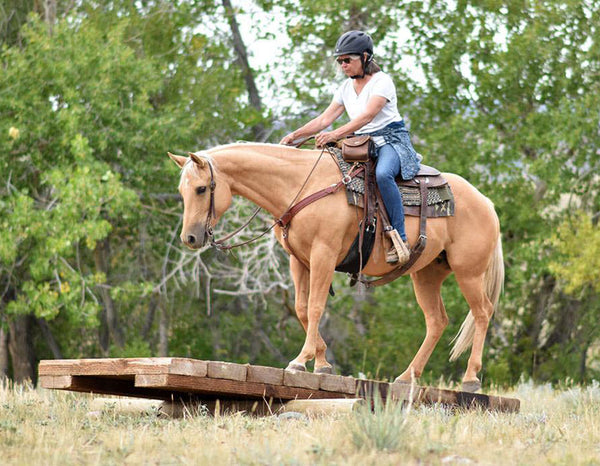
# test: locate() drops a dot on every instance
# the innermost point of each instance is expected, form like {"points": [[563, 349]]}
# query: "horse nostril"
{"points": [[191, 239]]}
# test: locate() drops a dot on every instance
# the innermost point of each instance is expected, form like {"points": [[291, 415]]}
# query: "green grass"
{"points": [[554, 427]]}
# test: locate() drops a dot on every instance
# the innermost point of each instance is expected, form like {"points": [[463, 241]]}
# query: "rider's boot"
{"points": [[399, 252]]}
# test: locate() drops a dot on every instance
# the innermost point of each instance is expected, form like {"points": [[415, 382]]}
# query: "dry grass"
{"points": [[556, 427]]}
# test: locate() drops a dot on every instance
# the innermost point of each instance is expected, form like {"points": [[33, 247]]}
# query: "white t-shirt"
{"points": [[380, 84]]}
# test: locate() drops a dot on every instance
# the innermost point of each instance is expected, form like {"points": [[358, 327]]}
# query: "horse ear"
{"points": [[197, 160], [178, 159]]}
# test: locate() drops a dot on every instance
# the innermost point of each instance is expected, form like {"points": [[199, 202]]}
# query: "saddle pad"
{"points": [[440, 201]]}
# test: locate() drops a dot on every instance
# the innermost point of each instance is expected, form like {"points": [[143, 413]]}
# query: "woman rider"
{"points": [[369, 98]]}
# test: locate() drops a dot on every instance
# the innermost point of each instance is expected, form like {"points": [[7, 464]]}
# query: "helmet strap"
{"points": [[362, 65]]}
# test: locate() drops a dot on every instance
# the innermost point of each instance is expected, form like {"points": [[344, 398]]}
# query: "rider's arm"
{"points": [[331, 113], [374, 106]]}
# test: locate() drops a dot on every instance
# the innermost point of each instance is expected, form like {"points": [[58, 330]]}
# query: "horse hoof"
{"points": [[294, 366], [406, 382], [324, 370], [471, 387]]}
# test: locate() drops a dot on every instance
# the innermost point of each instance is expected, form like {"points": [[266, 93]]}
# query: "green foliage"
{"points": [[577, 242], [89, 107], [503, 93], [382, 429]]}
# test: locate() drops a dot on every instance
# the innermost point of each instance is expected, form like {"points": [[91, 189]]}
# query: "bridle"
{"points": [[282, 221], [211, 208], [219, 243]]}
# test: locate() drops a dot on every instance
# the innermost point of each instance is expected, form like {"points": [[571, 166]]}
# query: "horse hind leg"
{"points": [[473, 289], [482, 292], [301, 279], [427, 285]]}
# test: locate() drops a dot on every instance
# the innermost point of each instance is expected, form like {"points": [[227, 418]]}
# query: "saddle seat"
{"points": [[429, 175]]}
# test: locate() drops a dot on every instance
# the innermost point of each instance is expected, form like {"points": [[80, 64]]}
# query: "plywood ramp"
{"points": [[184, 379]]}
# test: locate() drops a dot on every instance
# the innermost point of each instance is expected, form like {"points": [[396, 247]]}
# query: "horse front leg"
{"points": [[427, 285], [312, 288]]}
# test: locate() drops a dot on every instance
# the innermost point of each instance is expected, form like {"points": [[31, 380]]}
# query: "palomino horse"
{"points": [[320, 235]]}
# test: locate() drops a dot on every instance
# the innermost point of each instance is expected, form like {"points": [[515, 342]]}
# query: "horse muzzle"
{"points": [[195, 236]]}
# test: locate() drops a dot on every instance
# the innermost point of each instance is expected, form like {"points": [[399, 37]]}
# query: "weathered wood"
{"points": [[228, 388], [60, 382], [227, 370], [337, 383], [323, 407], [370, 389], [194, 381], [264, 374], [301, 379], [179, 366], [178, 409], [431, 395], [106, 386], [126, 405], [123, 366]]}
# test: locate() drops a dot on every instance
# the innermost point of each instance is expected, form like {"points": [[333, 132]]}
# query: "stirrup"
{"points": [[400, 252]]}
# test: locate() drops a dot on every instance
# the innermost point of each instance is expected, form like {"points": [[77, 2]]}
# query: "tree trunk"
{"points": [[102, 260], [152, 306], [49, 337], [163, 332], [47, 10], [242, 56], [3, 353], [20, 346]]}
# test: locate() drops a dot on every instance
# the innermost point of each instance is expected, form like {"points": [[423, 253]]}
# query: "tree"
{"points": [[88, 112]]}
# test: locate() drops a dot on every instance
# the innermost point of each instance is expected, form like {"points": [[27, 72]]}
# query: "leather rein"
{"points": [[284, 221]]}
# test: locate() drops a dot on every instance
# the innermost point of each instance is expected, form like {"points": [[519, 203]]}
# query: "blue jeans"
{"points": [[388, 168]]}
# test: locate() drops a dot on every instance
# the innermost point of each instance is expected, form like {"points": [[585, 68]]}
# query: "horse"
{"points": [[274, 176]]}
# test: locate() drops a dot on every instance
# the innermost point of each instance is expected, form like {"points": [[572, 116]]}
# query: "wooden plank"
{"points": [[59, 382], [184, 378], [337, 383], [109, 386], [431, 395], [229, 388], [125, 405], [314, 407], [123, 366], [301, 379], [100, 366], [264, 374], [468, 400], [370, 388], [180, 366], [405, 392], [227, 370]]}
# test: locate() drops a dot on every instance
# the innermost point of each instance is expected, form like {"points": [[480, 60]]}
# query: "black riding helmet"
{"points": [[355, 43]]}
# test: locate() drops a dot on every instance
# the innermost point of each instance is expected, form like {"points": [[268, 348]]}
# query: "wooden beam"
{"points": [[192, 380], [228, 388], [323, 407]]}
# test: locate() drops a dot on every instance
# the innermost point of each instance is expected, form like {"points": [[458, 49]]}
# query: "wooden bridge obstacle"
{"points": [[258, 389]]}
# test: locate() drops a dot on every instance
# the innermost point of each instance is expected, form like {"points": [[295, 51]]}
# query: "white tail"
{"points": [[493, 282]]}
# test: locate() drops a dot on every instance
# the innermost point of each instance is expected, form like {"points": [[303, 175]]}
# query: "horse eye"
{"points": [[200, 189]]}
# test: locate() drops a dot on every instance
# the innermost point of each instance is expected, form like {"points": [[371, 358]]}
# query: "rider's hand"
{"points": [[326, 137], [288, 140]]}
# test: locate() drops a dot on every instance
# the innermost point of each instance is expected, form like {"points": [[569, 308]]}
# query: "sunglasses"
{"points": [[347, 59]]}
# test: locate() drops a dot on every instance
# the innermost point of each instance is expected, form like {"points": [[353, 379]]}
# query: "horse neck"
{"points": [[268, 175]]}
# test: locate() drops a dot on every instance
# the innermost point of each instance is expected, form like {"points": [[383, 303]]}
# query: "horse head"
{"points": [[205, 198]]}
